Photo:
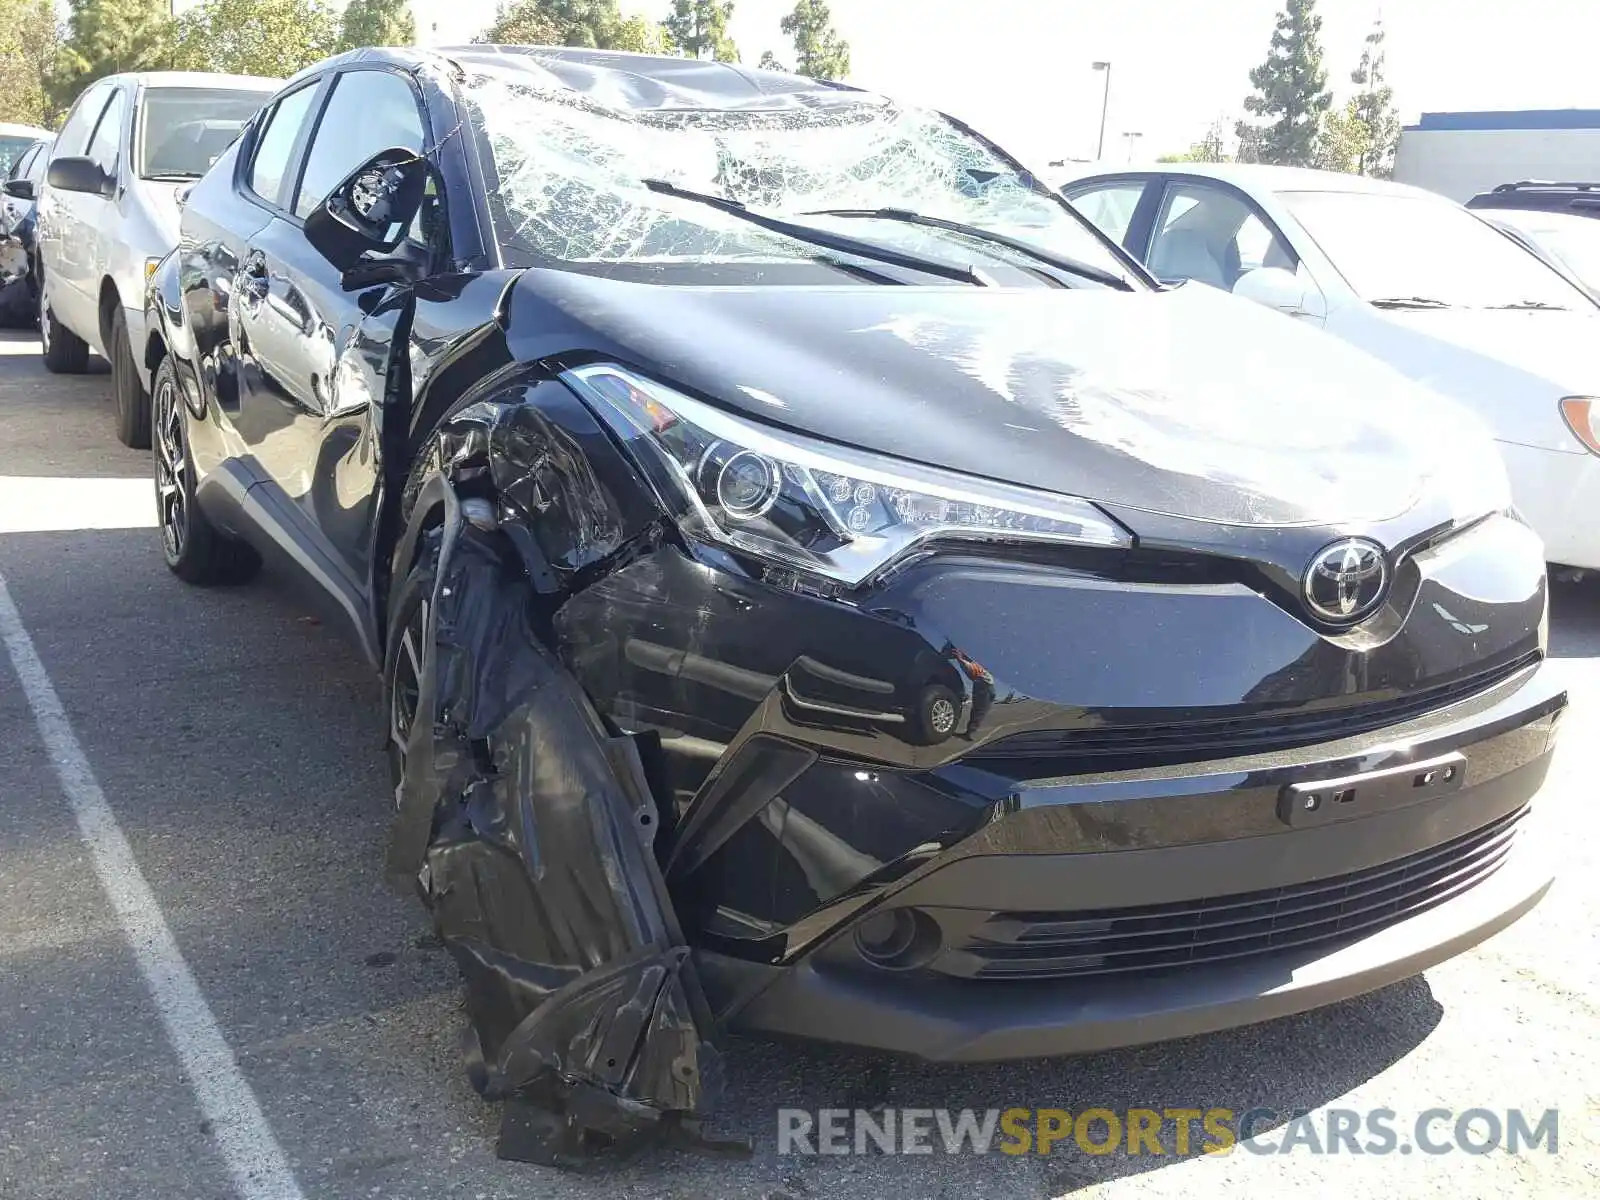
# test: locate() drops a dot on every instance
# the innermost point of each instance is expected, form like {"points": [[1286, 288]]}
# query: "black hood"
{"points": [[1186, 402]]}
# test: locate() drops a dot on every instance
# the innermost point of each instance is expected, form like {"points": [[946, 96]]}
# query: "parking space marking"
{"points": [[249, 1149]]}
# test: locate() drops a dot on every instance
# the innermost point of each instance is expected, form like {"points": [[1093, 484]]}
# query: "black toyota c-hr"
{"points": [[822, 586]]}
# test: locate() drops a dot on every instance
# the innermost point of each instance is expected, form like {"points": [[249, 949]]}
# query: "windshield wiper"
{"points": [[1407, 302], [171, 176], [1533, 305], [1060, 262], [818, 237]]}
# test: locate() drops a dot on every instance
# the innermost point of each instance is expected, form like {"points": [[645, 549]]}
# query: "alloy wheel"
{"points": [[406, 690], [172, 471]]}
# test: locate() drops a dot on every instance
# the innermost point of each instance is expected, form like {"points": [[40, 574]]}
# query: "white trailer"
{"points": [[1463, 153]]}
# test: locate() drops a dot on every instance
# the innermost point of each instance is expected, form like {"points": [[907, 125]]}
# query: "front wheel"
{"points": [[65, 353], [196, 551], [133, 402]]}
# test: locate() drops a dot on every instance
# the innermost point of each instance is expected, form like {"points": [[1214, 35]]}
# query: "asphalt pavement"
{"points": [[233, 740]]}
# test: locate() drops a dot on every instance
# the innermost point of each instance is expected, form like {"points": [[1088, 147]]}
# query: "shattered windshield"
{"points": [[571, 174]]}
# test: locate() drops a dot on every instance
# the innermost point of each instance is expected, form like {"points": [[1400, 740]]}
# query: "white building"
{"points": [[1463, 153]]}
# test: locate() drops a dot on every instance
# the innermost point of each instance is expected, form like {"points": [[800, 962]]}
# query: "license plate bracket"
{"points": [[1325, 801]]}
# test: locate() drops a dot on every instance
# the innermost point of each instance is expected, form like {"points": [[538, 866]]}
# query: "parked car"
{"points": [[1408, 276], [19, 292], [1580, 199], [109, 212], [821, 586], [15, 140], [1567, 240]]}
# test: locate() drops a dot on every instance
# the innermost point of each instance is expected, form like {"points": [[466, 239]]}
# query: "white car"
{"points": [[1409, 276], [108, 213]]}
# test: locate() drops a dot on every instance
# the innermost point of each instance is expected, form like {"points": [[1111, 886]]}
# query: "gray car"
{"points": [[108, 213]]}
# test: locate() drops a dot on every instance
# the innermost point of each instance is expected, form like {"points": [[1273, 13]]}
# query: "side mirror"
{"points": [[1281, 289], [75, 173], [20, 189], [371, 210]]}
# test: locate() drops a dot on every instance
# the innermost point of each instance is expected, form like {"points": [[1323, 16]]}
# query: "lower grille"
{"points": [[1167, 937], [1150, 738]]}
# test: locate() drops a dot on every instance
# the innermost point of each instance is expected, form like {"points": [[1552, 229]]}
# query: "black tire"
{"points": [[133, 402], [402, 656], [196, 551], [65, 353]]}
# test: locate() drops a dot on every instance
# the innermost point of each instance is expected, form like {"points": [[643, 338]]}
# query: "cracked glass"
{"points": [[571, 167]]}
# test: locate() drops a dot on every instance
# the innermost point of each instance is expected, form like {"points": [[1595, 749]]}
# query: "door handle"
{"points": [[253, 281]]}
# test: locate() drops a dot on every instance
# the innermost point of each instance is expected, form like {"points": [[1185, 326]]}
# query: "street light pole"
{"points": [[1105, 102]]}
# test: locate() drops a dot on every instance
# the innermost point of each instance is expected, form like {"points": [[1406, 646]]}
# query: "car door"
{"points": [[61, 231], [12, 207], [306, 383], [1215, 234]]}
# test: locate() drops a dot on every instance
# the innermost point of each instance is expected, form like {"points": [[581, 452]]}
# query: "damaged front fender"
{"points": [[528, 826]]}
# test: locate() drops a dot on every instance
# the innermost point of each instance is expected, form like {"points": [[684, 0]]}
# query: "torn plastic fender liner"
{"points": [[528, 826]]}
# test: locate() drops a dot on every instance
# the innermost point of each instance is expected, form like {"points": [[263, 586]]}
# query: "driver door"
{"points": [[313, 356]]}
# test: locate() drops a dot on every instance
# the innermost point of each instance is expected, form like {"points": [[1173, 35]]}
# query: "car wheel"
{"points": [[402, 661], [65, 353], [133, 402], [196, 551]]}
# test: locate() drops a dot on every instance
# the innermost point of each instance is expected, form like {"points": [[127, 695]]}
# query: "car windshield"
{"points": [[1427, 252], [11, 149], [1573, 240], [184, 130], [572, 169]]}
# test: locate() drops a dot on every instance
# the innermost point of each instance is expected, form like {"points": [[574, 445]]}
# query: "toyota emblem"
{"points": [[1346, 580]]}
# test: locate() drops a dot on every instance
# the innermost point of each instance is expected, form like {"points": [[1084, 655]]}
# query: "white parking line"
{"points": [[245, 1140]]}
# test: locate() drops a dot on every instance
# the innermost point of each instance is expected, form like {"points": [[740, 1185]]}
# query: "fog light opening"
{"points": [[897, 939]]}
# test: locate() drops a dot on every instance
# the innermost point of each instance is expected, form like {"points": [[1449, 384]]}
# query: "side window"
{"points": [[107, 139], [368, 111], [41, 160], [1110, 208], [269, 167], [19, 169], [74, 135], [1212, 236]]}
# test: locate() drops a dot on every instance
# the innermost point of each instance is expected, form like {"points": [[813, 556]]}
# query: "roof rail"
{"points": [[1546, 183]]}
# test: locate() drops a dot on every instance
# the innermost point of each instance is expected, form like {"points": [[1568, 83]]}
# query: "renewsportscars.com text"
{"points": [[1175, 1132]]}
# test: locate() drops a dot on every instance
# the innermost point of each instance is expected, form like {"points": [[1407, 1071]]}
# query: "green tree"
{"points": [[1374, 105], [1344, 142], [522, 23], [1291, 91], [108, 36], [30, 50], [819, 51], [769, 62], [255, 37], [377, 23], [595, 23], [699, 29]]}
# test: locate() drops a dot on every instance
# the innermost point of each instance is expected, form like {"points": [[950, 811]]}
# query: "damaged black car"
{"points": [[823, 587]]}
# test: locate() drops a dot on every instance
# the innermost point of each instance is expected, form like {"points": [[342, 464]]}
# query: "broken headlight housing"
{"points": [[814, 507]]}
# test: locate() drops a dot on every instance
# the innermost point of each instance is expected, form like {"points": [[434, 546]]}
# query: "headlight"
{"points": [[1582, 415], [828, 510]]}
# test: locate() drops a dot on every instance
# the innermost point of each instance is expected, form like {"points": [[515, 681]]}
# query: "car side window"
{"points": [[107, 140], [269, 167], [1110, 209], [41, 160], [19, 169], [1212, 236], [368, 111], [75, 133]]}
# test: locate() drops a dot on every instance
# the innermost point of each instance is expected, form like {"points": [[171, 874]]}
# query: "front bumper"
{"points": [[1272, 921], [1557, 493]]}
